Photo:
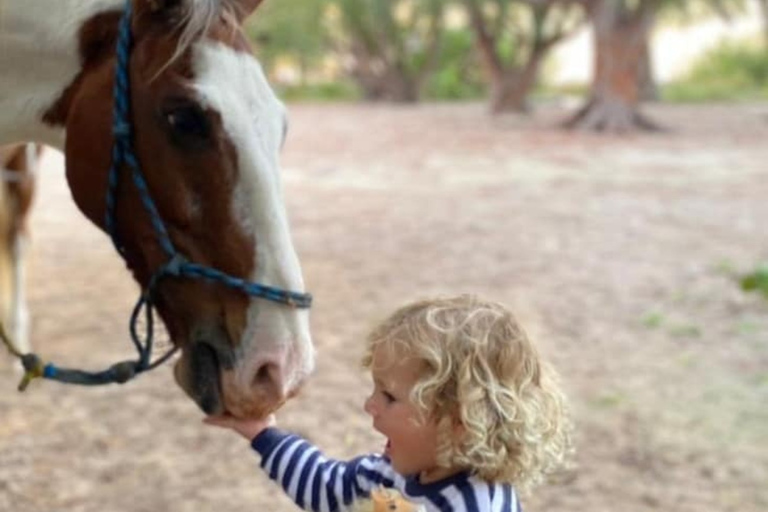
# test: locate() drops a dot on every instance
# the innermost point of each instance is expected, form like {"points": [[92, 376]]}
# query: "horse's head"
{"points": [[207, 133]]}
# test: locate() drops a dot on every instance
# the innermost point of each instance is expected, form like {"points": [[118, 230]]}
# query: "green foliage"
{"points": [[292, 28], [680, 13], [756, 281], [548, 91], [457, 76], [685, 331], [652, 319], [399, 32], [730, 71], [327, 91]]}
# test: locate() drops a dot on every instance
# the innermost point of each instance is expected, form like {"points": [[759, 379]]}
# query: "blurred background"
{"points": [[606, 56], [601, 166]]}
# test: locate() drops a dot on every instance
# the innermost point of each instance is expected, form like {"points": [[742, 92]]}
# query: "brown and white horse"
{"points": [[207, 132], [18, 165]]}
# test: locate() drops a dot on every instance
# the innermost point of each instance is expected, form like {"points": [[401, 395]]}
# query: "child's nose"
{"points": [[368, 406]]}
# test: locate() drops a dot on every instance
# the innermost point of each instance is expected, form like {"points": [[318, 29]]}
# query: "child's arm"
{"points": [[314, 482]]}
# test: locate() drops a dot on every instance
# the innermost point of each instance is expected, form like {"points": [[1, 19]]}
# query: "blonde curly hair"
{"points": [[483, 375]]}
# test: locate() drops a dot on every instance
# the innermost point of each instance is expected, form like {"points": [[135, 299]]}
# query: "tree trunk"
{"points": [[392, 58], [510, 90], [620, 38], [380, 84], [398, 87]]}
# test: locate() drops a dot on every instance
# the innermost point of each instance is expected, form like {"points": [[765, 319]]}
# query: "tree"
{"points": [[513, 38], [621, 33], [292, 28], [393, 44]]}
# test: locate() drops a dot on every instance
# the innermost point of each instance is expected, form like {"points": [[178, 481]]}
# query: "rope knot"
{"points": [[124, 371], [174, 266]]}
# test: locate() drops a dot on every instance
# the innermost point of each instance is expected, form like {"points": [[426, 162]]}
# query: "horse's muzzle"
{"points": [[198, 373]]}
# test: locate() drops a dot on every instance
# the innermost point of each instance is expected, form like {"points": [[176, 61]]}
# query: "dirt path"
{"points": [[616, 252]]}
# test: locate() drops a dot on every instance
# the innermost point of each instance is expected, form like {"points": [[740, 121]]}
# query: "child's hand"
{"points": [[248, 428]]}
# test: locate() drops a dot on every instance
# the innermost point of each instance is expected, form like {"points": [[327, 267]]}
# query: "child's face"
{"points": [[411, 440]]}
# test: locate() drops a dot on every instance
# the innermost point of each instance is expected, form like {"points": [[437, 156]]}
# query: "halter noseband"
{"points": [[176, 266]]}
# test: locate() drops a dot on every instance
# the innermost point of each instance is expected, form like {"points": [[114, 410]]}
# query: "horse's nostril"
{"points": [[268, 380], [263, 375]]}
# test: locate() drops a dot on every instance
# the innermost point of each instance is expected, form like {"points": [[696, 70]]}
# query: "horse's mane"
{"points": [[197, 16]]}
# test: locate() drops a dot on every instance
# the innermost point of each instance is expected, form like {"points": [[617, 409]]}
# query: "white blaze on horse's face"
{"points": [[275, 338]]}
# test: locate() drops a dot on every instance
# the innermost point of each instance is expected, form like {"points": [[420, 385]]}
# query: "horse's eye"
{"points": [[188, 122]]}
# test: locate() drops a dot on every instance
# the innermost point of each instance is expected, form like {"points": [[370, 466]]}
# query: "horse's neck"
{"points": [[38, 60]]}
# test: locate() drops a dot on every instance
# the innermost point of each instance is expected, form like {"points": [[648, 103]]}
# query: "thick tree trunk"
{"points": [[386, 85], [392, 59], [511, 82], [508, 95], [620, 39], [399, 88], [381, 81], [510, 90]]}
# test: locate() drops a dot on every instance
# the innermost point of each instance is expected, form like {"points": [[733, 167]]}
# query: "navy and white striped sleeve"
{"points": [[314, 482]]}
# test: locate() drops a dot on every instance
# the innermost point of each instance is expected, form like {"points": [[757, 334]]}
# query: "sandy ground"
{"points": [[617, 253]]}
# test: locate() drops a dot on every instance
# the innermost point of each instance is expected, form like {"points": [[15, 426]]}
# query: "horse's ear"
{"points": [[244, 8], [97, 37]]}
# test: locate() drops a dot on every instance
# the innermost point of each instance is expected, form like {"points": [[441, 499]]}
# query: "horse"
{"points": [[171, 136], [18, 166]]}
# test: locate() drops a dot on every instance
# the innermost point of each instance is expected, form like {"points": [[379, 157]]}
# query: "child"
{"points": [[470, 412]]}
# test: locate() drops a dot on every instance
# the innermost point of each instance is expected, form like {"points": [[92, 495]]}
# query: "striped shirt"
{"points": [[320, 484]]}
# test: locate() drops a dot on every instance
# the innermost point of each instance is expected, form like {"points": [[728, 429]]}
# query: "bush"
{"points": [[734, 70], [756, 281], [457, 76], [329, 91]]}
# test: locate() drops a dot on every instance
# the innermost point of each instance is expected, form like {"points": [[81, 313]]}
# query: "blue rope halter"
{"points": [[176, 266]]}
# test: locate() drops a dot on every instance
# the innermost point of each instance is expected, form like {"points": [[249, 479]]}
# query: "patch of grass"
{"points": [[678, 297], [652, 320], [725, 267], [756, 281], [687, 360], [685, 331], [724, 90], [747, 327], [609, 400], [330, 91], [760, 380]]}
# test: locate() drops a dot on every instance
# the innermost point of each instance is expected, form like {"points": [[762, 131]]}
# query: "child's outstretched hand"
{"points": [[248, 428]]}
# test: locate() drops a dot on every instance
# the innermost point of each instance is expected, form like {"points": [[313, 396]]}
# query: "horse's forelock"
{"points": [[195, 20], [197, 16]]}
